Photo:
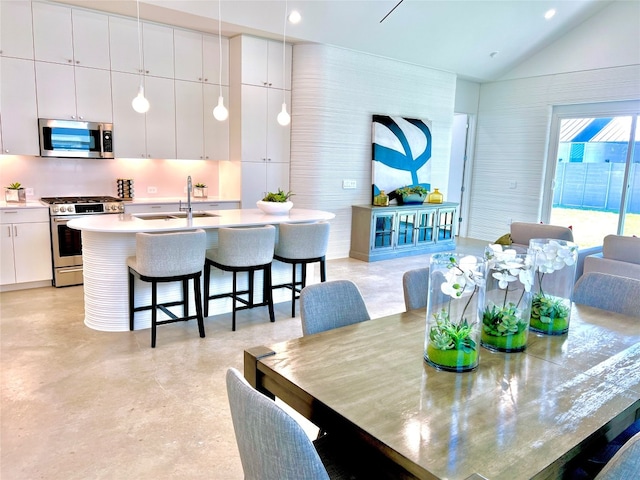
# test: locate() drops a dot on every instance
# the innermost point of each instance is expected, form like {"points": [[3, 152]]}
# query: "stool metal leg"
{"points": [[293, 292], [233, 303], [185, 297], [198, 294], [207, 279], [154, 312], [269, 294], [131, 297]]}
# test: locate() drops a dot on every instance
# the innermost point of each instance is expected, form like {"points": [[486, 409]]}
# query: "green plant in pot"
{"points": [[411, 194], [277, 203], [14, 193], [200, 190]]}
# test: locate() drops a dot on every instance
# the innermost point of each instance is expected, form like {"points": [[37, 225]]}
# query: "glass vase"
{"points": [[507, 300], [554, 276], [456, 295]]}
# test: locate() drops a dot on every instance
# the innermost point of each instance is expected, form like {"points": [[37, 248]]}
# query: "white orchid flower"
{"points": [[503, 278]]}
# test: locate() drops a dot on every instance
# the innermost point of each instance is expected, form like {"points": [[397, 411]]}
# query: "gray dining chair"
{"points": [[273, 446], [608, 292], [415, 286], [163, 258], [625, 464], [328, 305]]}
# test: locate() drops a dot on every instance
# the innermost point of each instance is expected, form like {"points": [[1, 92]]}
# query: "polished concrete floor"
{"points": [[81, 404]]}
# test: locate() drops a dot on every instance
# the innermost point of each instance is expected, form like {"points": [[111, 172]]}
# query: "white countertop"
{"points": [[158, 200], [134, 223], [28, 204]]}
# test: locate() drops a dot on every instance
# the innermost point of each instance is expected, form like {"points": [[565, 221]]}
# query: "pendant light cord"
{"points": [[284, 54], [220, 45], [139, 40]]}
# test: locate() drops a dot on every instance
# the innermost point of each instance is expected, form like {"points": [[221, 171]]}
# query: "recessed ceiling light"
{"points": [[295, 17], [549, 14], [494, 54]]}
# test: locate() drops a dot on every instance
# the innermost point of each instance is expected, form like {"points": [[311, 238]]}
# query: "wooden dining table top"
{"points": [[518, 415]]}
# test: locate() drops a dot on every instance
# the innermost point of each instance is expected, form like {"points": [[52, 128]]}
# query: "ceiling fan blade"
{"points": [[390, 11]]}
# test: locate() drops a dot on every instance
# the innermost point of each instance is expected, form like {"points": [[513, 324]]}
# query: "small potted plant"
{"points": [[277, 203], [200, 190], [411, 194], [14, 193]]}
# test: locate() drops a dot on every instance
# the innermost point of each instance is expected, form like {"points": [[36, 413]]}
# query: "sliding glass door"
{"points": [[594, 161]]}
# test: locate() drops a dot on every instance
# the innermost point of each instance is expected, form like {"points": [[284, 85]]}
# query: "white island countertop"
{"points": [[134, 223]]}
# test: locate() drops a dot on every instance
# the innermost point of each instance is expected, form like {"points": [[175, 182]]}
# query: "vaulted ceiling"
{"points": [[479, 40]]}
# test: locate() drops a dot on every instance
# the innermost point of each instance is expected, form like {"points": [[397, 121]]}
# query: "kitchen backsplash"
{"points": [[70, 176]]}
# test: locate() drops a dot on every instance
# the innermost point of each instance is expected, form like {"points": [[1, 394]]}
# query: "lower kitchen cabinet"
{"points": [[25, 246], [380, 233]]}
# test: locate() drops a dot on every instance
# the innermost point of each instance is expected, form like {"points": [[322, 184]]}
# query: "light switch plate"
{"points": [[152, 189], [348, 184]]}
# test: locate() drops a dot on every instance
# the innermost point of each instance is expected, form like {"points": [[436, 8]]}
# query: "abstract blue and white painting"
{"points": [[401, 153]]}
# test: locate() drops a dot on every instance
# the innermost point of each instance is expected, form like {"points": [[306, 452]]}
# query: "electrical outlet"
{"points": [[152, 189], [513, 185], [348, 184], [28, 192]]}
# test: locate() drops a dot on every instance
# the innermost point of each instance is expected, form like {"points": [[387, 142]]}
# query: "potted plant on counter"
{"points": [[411, 194], [14, 193], [200, 190], [277, 203]]}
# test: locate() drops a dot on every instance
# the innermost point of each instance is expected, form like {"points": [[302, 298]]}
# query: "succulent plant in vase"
{"points": [[411, 194], [277, 203], [200, 190], [14, 193]]}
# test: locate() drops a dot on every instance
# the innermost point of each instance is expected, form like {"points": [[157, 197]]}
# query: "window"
{"points": [[594, 167]]}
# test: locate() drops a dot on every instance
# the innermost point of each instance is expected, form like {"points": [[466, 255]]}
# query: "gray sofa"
{"points": [[620, 256]]}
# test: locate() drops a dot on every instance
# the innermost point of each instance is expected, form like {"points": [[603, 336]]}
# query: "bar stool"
{"points": [[301, 244], [168, 257], [242, 250]]}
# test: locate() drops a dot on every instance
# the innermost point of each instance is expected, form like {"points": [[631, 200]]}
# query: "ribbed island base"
{"points": [[107, 242]]}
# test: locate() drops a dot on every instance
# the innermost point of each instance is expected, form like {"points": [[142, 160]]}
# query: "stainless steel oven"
{"points": [[66, 242]]}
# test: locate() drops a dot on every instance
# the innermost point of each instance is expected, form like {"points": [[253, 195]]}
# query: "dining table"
{"points": [[525, 415]]}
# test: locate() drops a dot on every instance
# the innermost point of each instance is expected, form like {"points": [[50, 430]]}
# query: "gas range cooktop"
{"points": [[83, 205]]}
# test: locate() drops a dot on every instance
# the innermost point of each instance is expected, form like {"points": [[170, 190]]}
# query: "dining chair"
{"points": [[272, 445], [301, 244], [608, 292], [625, 464], [242, 250], [163, 258], [328, 305], [415, 286]]}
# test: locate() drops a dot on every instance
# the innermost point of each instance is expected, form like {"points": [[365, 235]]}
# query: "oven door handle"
{"points": [[61, 219], [69, 270]]}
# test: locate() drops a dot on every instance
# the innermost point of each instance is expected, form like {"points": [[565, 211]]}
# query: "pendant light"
{"points": [[140, 104], [283, 117], [220, 112]]}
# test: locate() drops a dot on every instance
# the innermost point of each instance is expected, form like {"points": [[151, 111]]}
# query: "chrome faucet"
{"points": [[188, 207]]}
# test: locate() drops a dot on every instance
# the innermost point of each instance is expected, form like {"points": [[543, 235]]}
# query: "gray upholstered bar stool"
{"points": [[301, 244], [242, 250], [168, 257]]}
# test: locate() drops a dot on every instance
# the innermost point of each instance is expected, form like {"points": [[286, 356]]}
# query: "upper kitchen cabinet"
{"points": [[198, 134], [157, 47], [143, 135], [19, 113], [70, 36], [197, 57], [16, 32], [258, 61], [73, 93]]}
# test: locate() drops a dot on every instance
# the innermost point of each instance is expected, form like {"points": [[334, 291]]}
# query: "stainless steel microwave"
{"points": [[77, 139]]}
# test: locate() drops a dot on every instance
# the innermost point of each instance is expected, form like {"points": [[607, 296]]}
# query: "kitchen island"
{"points": [[107, 241]]}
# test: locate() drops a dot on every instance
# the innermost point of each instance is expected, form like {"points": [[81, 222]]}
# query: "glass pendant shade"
{"points": [[220, 112], [283, 117], [140, 104]]}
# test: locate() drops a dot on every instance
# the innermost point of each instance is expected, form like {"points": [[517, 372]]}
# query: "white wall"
{"points": [[335, 93], [514, 115]]}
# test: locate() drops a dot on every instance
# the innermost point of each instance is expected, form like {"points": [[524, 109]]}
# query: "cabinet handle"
{"points": [[206, 79], [69, 60], [268, 159], [9, 231], [15, 230], [77, 62]]}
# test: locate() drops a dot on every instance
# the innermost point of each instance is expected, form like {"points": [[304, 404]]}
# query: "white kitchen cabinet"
{"points": [[216, 133], [197, 57], [157, 47], [211, 59], [161, 117], [19, 112], [123, 45], [143, 135], [16, 31], [69, 92], [196, 206], [261, 62], [258, 178], [198, 134], [25, 246], [90, 39], [129, 136], [262, 138]]}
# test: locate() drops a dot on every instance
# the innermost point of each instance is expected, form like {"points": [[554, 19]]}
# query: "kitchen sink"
{"points": [[173, 216]]}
